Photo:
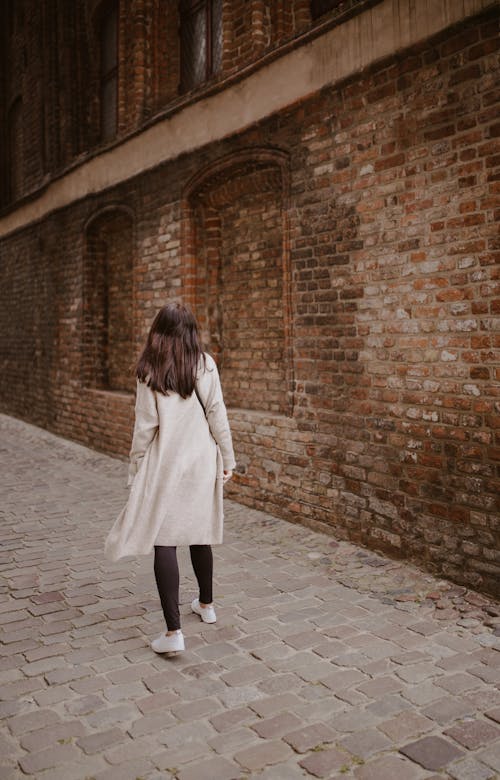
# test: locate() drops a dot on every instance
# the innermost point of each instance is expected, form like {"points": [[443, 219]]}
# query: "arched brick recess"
{"points": [[237, 274], [108, 327]]}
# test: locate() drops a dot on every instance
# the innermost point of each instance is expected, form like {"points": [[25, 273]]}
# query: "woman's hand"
{"points": [[227, 475]]}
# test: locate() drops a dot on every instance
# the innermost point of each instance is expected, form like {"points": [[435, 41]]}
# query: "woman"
{"points": [[181, 455]]}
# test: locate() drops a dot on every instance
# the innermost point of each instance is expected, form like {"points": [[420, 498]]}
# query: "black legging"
{"points": [[167, 579]]}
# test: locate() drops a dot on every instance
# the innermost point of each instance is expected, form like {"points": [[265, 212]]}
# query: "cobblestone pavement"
{"points": [[327, 661]]}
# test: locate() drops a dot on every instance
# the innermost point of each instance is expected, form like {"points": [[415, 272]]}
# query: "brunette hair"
{"points": [[171, 356]]}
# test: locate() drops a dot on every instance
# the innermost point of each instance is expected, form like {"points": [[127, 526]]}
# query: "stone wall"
{"points": [[342, 257]]}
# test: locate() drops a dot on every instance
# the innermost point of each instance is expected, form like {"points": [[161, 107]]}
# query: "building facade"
{"points": [[318, 179]]}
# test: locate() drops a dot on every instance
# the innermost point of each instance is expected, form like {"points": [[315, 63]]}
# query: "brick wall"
{"points": [[384, 285]]}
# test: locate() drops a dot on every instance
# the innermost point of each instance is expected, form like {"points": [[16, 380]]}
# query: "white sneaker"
{"points": [[207, 614], [169, 644]]}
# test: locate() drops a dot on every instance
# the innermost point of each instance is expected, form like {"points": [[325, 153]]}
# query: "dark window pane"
{"points": [[216, 35], [199, 51], [201, 40], [15, 147], [320, 7], [193, 44], [109, 73], [109, 42], [108, 108]]}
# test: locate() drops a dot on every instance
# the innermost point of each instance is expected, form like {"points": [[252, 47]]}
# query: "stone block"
{"points": [[364, 743], [325, 763], [57, 732], [473, 734], [380, 687], [149, 724], [309, 737], [96, 743], [431, 752], [34, 763], [471, 769], [388, 768], [211, 769], [490, 756], [276, 726], [196, 709], [405, 725], [231, 718], [260, 755], [32, 721]]}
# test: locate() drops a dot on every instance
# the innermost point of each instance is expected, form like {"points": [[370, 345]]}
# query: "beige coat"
{"points": [[177, 460]]}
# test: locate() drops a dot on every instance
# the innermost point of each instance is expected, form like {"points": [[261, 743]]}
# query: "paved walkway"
{"points": [[327, 661]]}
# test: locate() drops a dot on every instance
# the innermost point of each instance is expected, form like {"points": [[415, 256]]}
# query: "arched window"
{"points": [[236, 275], [15, 150], [108, 302], [108, 44], [201, 41]]}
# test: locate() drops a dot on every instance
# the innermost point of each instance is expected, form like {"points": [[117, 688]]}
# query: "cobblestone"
{"points": [[323, 763], [34, 763], [261, 754], [432, 752], [310, 737], [473, 734], [470, 769], [388, 768], [95, 743], [342, 664]]}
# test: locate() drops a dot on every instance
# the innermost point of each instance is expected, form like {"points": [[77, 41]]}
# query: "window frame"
{"points": [[187, 10], [110, 76]]}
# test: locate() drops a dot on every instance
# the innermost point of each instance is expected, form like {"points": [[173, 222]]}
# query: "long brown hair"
{"points": [[171, 357]]}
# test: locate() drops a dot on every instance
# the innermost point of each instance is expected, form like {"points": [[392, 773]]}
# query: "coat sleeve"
{"points": [[210, 391], [145, 427]]}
